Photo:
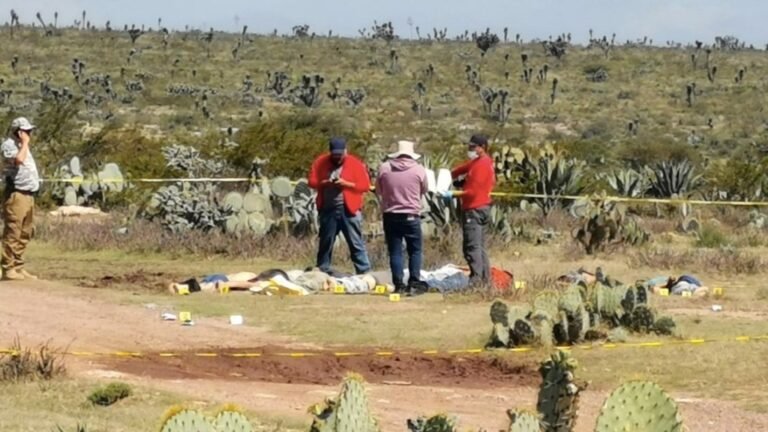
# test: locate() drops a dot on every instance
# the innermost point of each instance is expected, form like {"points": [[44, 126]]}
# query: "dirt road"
{"points": [[41, 311]]}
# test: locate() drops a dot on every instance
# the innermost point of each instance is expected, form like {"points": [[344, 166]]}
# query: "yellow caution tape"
{"points": [[495, 194], [523, 349]]}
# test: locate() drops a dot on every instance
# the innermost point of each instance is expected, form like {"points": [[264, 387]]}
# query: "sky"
{"points": [[661, 20]]}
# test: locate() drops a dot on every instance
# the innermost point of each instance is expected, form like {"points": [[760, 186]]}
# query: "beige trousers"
{"points": [[18, 213]]}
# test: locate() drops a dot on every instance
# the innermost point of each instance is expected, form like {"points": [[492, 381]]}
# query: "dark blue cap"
{"points": [[480, 140], [337, 145]]}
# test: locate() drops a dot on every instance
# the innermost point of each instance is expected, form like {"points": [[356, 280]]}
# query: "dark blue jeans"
{"points": [[334, 221], [399, 228]]}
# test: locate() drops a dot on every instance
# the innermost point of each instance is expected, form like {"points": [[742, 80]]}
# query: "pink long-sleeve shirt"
{"points": [[400, 184]]}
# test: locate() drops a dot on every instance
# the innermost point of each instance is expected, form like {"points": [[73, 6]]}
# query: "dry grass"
{"points": [[727, 260], [25, 364], [63, 403]]}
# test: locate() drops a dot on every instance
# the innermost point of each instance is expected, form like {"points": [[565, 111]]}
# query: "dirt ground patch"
{"points": [[471, 371]]}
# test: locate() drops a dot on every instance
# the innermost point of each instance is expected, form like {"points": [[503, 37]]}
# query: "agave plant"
{"points": [[628, 183], [672, 179], [552, 176]]}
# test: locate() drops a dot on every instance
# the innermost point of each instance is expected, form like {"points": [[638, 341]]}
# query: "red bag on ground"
{"points": [[502, 280]]}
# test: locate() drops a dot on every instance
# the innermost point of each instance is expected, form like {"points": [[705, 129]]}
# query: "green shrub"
{"points": [[291, 142], [110, 394], [711, 237], [762, 293]]}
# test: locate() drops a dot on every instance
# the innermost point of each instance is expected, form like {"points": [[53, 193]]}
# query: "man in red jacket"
{"points": [[479, 180], [340, 180]]}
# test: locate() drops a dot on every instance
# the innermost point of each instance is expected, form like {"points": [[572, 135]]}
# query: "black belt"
{"points": [[23, 192]]}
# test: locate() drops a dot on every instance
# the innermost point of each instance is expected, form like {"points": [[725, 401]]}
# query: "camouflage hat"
{"points": [[21, 123]]}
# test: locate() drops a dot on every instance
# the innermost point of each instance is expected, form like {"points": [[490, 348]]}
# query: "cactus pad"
{"points": [[500, 313], [233, 201], [639, 407], [232, 421], [629, 301], [642, 319], [523, 421], [547, 301], [350, 413], [281, 187], [187, 421], [438, 423], [523, 332], [559, 394], [571, 300], [499, 337]]}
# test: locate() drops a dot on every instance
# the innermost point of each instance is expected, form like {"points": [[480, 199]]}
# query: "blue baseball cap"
{"points": [[337, 145], [478, 140]]}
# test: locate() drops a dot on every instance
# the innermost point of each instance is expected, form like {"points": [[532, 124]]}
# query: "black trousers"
{"points": [[475, 224]]}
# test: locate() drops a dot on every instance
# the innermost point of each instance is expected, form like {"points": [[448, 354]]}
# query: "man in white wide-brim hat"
{"points": [[401, 183], [21, 184]]}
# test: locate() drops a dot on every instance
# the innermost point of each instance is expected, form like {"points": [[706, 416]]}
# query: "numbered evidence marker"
{"points": [[339, 289], [223, 289], [718, 292], [394, 297], [380, 289], [185, 317], [519, 284], [687, 294], [664, 292]]}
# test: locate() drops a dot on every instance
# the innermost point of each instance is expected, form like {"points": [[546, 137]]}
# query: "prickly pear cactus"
{"points": [[438, 423], [350, 413], [544, 329], [629, 301], [232, 421], [547, 301], [500, 313], [517, 312], [523, 332], [499, 337], [571, 300], [639, 407], [664, 326], [610, 307], [523, 421], [641, 294], [559, 394], [642, 319], [187, 421]]}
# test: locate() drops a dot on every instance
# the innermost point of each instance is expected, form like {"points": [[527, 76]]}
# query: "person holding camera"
{"points": [[479, 178], [22, 182], [340, 180]]}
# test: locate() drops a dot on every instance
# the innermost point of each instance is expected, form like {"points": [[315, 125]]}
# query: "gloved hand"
{"points": [[446, 194]]}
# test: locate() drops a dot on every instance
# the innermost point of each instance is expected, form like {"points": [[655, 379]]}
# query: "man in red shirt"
{"points": [[340, 180], [479, 179]]}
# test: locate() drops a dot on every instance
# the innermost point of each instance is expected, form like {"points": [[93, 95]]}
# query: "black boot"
{"points": [[401, 288], [417, 288]]}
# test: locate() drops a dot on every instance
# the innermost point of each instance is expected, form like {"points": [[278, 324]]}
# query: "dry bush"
{"points": [[725, 260], [23, 364], [141, 236]]}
